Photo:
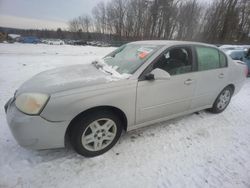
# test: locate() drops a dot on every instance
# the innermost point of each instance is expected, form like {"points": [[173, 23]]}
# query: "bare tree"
{"points": [[188, 20], [74, 25], [87, 23], [219, 21], [99, 13], [244, 20]]}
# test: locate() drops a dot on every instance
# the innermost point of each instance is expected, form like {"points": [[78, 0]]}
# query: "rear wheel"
{"points": [[222, 100], [95, 133]]}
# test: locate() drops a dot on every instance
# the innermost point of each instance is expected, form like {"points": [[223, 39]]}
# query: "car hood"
{"points": [[65, 78]]}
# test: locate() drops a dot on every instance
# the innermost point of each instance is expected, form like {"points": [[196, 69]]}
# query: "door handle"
{"points": [[221, 75], [188, 81]]}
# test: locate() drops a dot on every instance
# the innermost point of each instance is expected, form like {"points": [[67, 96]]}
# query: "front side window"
{"points": [[129, 57], [175, 61], [208, 58]]}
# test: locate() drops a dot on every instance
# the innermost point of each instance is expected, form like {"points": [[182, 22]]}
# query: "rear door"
{"points": [[211, 75]]}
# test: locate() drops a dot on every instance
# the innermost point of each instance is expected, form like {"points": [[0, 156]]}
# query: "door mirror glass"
{"points": [[160, 74]]}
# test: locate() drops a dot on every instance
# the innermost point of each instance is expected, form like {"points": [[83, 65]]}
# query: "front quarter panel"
{"points": [[66, 105]]}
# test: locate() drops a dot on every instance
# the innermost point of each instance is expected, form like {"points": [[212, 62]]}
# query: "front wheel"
{"points": [[222, 100], [95, 133]]}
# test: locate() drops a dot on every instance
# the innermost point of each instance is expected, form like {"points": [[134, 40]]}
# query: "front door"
{"points": [[158, 99]]}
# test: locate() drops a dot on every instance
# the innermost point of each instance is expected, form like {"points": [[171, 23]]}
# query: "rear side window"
{"points": [[223, 60], [208, 58]]}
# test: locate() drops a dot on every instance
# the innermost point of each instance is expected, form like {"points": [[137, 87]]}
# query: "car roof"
{"points": [[170, 43]]}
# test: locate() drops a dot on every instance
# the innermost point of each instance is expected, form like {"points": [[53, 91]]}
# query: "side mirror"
{"points": [[149, 76], [158, 74]]}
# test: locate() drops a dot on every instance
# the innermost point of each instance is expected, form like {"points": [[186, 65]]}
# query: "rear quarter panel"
{"points": [[236, 74]]}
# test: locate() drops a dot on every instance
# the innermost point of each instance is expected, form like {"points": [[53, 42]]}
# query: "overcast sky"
{"points": [[42, 13]]}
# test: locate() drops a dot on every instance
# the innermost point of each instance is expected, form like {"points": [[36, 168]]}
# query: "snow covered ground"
{"points": [[198, 150]]}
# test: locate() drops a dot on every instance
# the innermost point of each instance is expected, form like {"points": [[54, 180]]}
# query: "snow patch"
{"points": [[115, 75], [197, 150]]}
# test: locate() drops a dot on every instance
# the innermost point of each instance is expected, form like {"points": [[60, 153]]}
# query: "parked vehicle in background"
{"points": [[242, 55], [93, 43], [45, 41], [136, 85], [99, 43], [55, 42], [11, 38], [233, 47], [29, 39], [105, 44], [69, 41], [80, 43]]}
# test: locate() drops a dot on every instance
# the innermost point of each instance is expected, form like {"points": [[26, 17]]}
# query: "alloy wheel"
{"points": [[224, 99], [99, 134]]}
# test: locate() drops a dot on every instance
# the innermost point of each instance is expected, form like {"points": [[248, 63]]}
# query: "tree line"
{"points": [[55, 34], [220, 21]]}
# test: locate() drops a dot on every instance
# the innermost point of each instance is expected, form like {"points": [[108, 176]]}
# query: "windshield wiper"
{"points": [[98, 66], [108, 71]]}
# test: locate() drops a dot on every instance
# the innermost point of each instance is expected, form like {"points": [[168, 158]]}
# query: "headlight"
{"points": [[31, 103]]}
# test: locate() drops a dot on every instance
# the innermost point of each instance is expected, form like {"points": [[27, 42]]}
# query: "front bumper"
{"points": [[34, 131]]}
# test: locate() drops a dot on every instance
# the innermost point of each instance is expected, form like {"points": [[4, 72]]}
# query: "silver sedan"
{"points": [[138, 84]]}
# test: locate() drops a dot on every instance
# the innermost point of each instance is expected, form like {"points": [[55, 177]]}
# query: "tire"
{"points": [[94, 134], [222, 101]]}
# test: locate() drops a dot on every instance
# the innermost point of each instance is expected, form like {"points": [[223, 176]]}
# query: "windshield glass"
{"points": [[129, 57]]}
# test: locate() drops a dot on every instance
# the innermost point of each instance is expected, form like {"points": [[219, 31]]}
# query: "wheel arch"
{"points": [[232, 86], [113, 109], [229, 85], [212, 108]]}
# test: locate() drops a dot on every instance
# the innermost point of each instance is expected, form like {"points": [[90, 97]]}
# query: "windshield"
{"points": [[129, 57]]}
